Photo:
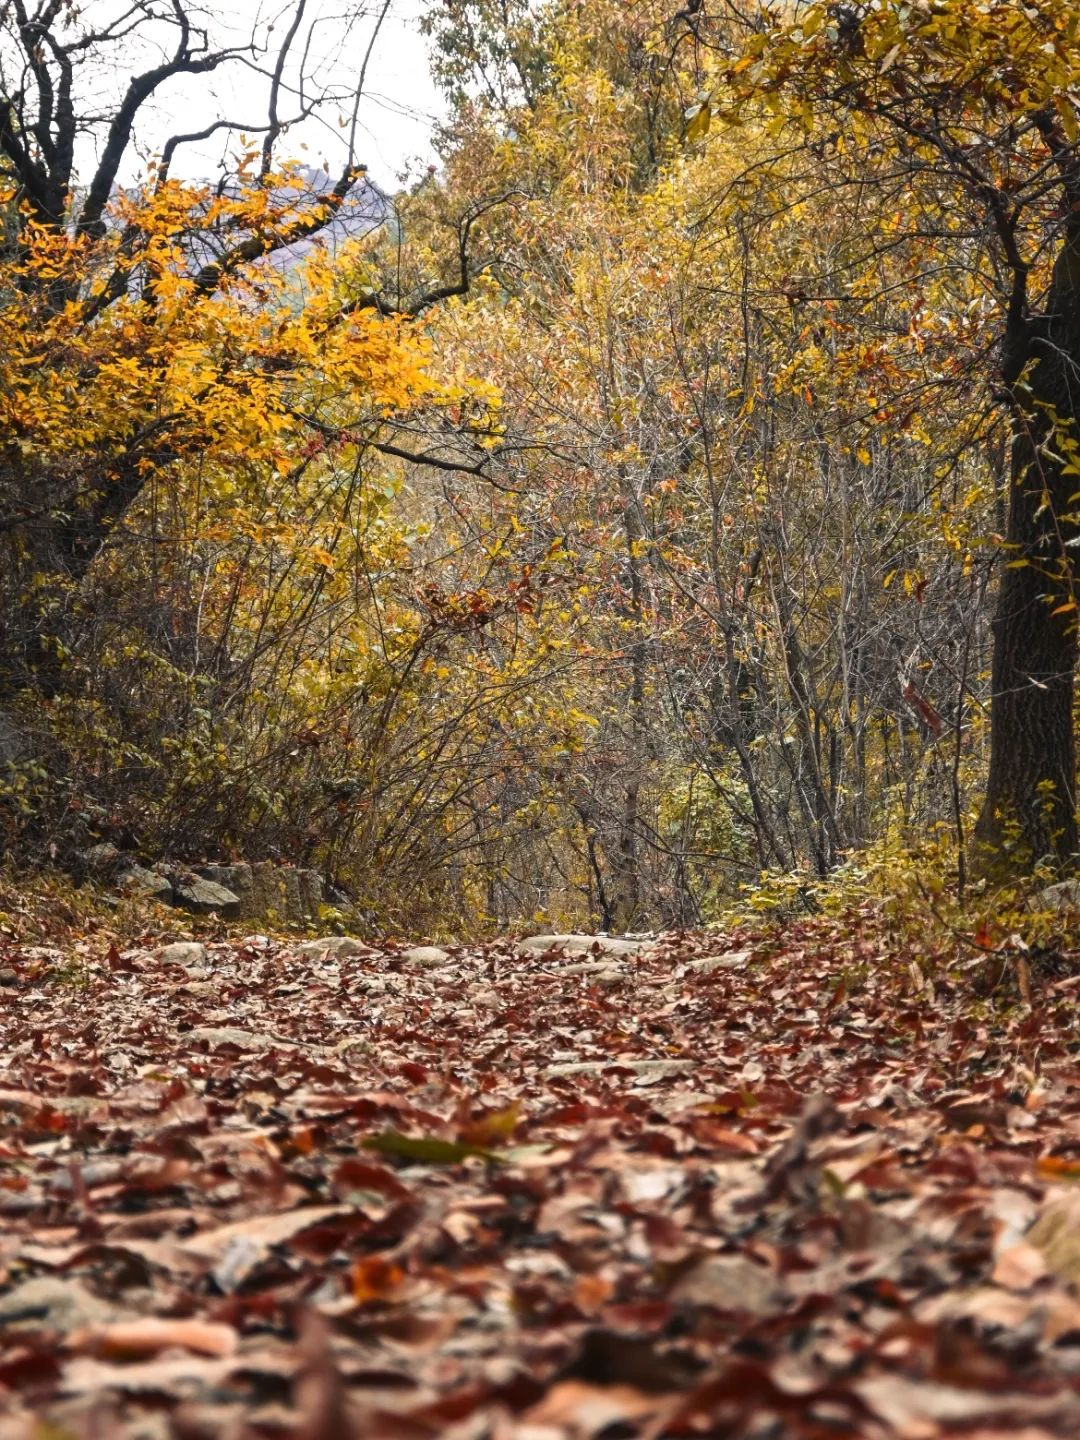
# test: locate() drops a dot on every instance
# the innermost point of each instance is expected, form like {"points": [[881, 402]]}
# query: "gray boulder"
{"points": [[580, 945], [1062, 898], [427, 957], [267, 891], [334, 947], [206, 897], [238, 879], [183, 952], [102, 859], [137, 880]]}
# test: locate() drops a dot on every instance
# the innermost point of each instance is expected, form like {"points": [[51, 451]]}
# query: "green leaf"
{"points": [[427, 1149]]}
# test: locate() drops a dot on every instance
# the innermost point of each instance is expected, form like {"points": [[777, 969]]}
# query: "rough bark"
{"points": [[1029, 813]]}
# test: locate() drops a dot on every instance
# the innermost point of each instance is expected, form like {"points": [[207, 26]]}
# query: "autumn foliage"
{"points": [[608, 526]]}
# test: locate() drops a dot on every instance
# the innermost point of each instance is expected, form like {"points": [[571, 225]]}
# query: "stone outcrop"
{"points": [[427, 957], [266, 891], [183, 952], [335, 947], [205, 897], [263, 891], [1062, 898], [137, 880], [582, 945]]}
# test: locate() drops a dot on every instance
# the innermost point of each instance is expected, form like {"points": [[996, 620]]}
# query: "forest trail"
{"points": [[714, 1187]]}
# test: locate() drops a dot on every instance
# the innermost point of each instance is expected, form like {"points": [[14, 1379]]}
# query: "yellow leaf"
{"points": [[698, 120], [1067, 111]]}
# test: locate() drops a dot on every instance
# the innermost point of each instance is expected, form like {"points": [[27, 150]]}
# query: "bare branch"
{"points": [[273, 127]]}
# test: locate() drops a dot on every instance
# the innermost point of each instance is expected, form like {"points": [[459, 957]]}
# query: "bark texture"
{"points": [[1029, 812]]}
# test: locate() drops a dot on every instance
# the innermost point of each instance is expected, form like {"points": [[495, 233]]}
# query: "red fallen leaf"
{"points": [[638, 1316], [51, 1120], [353, 1175], [261, 1232], [30, 1366], [414, 1072], [375, 1279], [709, 1132], [577, 1114], [301, 1141], [591, 1292], [135, 1339]]}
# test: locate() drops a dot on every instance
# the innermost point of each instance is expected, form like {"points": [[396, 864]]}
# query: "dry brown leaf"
{"points": [[135, 1339]]}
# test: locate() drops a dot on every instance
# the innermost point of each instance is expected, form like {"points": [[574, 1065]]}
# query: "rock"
{"points": [[733, 960], [214, 1035], [267, 891], [311, 891], [580, 945], [373, 985], [8, 976], [427, 957], [1062, 898], [730, 1282], [238, 879], [101, 859], [201, 989], [486, 998], [206, 897], [267, 894], [334, 947], [646, 1070], [294, 897], [602, 971], [48, 1302], [136, 880], [183, 952]]}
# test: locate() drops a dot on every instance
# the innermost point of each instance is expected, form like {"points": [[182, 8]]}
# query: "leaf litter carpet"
{"points": [[713, 1188]]}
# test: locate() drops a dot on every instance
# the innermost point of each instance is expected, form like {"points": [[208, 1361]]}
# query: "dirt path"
{"points": [[709, 1188]]}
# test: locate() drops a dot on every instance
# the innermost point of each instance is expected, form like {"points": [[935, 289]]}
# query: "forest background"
{"points": [[605, 530]]}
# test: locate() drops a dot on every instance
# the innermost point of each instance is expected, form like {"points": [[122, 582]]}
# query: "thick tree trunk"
{"points": [[1029, 812], [45, 557]]}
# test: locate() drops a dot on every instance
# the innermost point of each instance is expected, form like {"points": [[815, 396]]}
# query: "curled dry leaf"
{"points": [[135, 1339]]}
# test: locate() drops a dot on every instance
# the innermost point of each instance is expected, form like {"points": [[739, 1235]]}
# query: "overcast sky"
{"points": [[395, 119]]}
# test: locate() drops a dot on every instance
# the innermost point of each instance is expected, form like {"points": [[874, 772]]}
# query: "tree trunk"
{"points": [[46, 557], [1029, 813], [626, 879]]}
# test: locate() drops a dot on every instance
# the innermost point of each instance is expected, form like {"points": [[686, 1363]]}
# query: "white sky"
{"points": [[396, 116]]}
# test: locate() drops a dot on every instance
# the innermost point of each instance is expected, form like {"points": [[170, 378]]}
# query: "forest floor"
{"points": [[732, 1186]]}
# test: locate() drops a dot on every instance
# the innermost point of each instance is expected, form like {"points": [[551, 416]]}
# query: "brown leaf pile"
{"points": [[696, 1191]]}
